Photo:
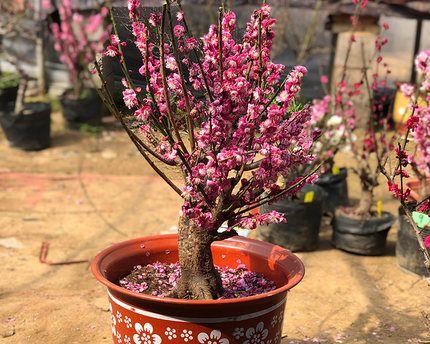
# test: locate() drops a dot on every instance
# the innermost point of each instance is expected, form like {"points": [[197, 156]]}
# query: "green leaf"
{"points": [[422, 220]]}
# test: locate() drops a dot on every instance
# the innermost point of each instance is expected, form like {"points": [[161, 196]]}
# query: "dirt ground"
{"points": [[89, 191]]}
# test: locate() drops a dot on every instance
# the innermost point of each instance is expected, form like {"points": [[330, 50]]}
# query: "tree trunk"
{"points": [[424, 186], [19, 102], [199, 278], [365, 204]]}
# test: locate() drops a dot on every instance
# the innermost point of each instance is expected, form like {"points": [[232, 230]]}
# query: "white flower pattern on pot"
{"points": [[170, 333], [127, 322], [127, 340], [274, 320], [145, 334], [113, 324], [256, 335], [213, 338], [119, 338], [238, 332], [281, 318], [187, 335], [119, 317]]}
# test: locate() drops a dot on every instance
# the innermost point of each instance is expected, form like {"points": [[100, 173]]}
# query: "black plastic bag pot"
{"points": [[366, 237], [301, 231], [336, 189], [408, 252], [8, 96], [84, 110], [30, 130]]}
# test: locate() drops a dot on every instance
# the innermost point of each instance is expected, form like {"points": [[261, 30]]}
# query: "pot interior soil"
{"points": [[159, 279]]}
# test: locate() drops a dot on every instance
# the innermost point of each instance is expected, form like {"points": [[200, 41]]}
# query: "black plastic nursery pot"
{"points": [[336, 189], [8, 96], [366, 236], [29, 130], [9, 84], [408, 254], [84, 110], [301, 231]]}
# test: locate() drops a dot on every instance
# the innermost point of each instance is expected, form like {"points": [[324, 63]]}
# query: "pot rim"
{"points": [[95, 269]]}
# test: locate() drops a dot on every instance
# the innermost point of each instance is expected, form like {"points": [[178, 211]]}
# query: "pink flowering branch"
{"points": [[418, 160]]}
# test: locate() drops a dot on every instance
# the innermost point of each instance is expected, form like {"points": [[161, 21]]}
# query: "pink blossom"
{"points": [[427, 241], [324, 79], [407, 90], [179, 31], [114, 39], [180, 16], [422, 62], [130, 99]]}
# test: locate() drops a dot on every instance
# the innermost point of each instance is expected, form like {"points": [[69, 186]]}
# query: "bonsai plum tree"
{"points": [[374, 144], [221, 112]]}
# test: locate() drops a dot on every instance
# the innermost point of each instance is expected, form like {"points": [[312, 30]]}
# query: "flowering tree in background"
{"points": [[220, 111], [338, 109], [417, 157], [332, 115], [77, 40]]}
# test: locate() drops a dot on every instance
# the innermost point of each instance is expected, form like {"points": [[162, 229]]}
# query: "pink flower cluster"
{"points": [[418, 126], [239, 103], [78, 39], [334, 116], [419, 122]]}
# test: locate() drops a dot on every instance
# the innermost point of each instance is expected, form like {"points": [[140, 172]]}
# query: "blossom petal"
{"points": [[136, 339], [138, 327], [264, 333], [215, 334], [250, 332], [156, 339], [259, 327], [202, 337], [148, 328]]}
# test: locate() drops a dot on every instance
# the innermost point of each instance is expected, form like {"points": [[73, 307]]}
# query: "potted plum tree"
{"points": [[412, 154], [77, 39], [331, 115], [363, 228], [228, 127]]}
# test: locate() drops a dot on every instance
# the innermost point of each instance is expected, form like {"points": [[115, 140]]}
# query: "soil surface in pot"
{"points": [[159, 279]]}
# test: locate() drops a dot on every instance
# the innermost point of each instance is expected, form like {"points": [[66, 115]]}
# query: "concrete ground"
{"points": [[89, 191]]}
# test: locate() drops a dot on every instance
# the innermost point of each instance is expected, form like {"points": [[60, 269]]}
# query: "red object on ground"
{"points": [[139, 318], [44, 260]]}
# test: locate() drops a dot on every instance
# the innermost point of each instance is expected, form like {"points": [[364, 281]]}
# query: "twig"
{"points": [[164, 82], [181, 75]]}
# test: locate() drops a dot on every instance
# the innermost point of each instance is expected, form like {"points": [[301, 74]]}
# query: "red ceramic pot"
{"points": [[144, 319]]}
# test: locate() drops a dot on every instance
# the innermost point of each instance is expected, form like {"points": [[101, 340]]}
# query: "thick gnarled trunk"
{"points": [[199, 278], [364, 206]]}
